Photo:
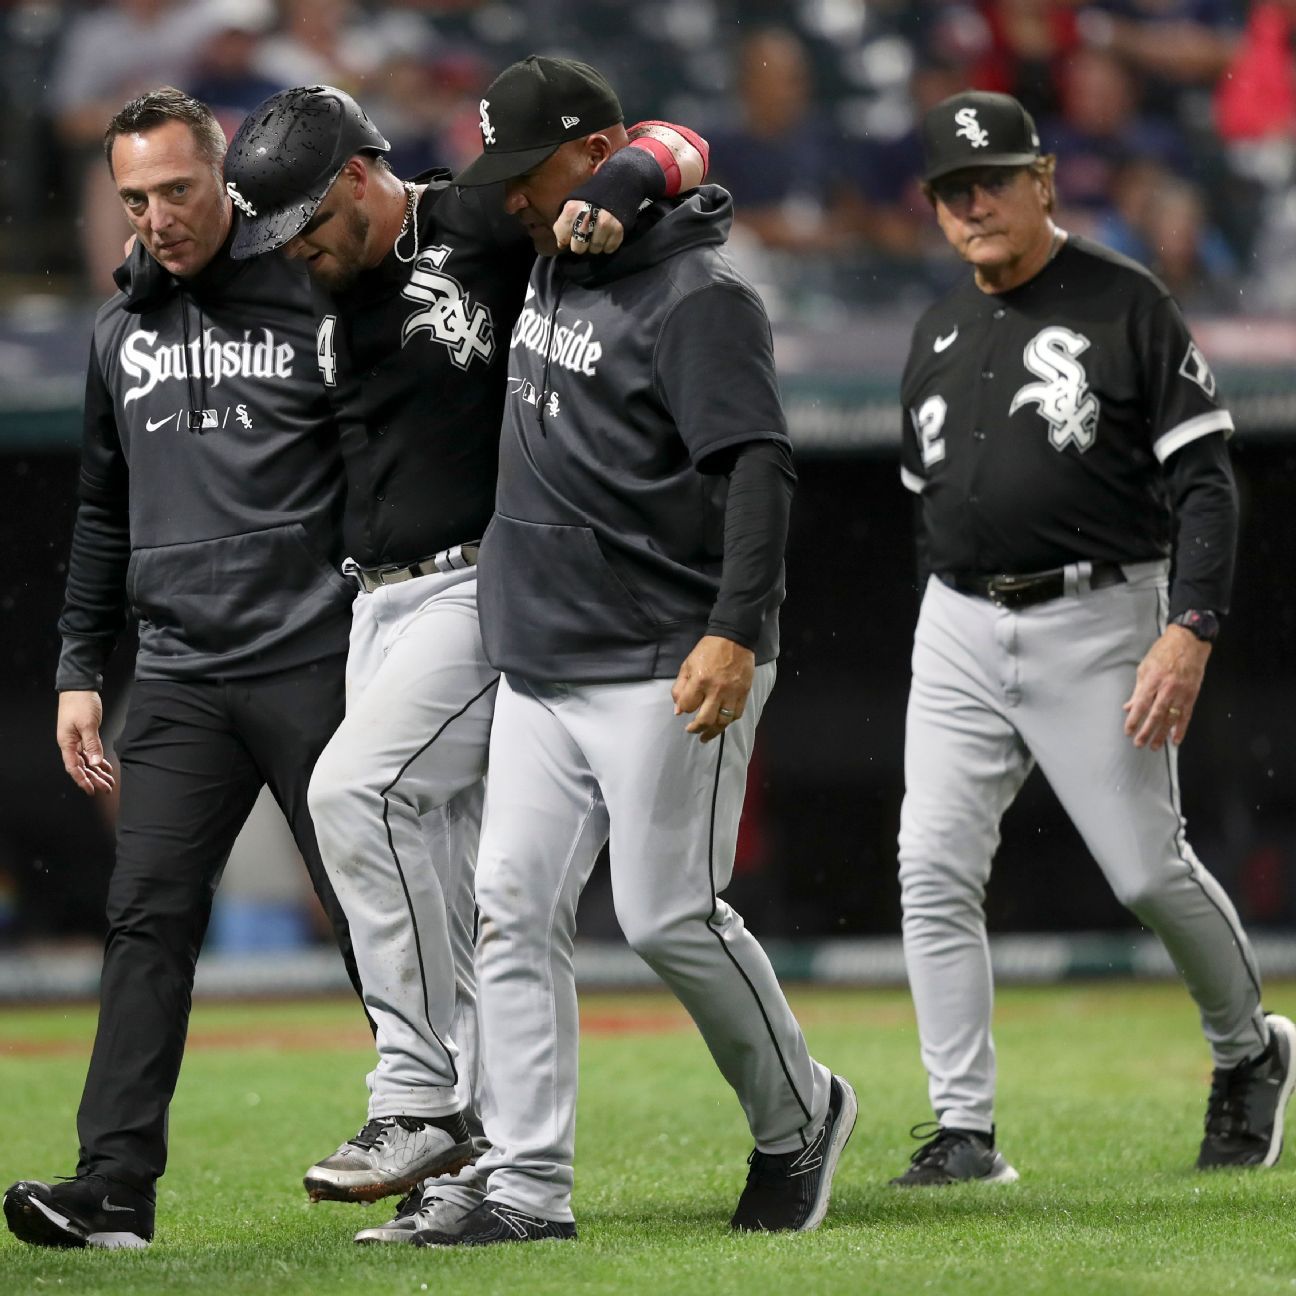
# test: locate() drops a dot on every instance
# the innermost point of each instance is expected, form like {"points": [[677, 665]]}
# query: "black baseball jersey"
{"points": [[414, 358], [1038, 421]]}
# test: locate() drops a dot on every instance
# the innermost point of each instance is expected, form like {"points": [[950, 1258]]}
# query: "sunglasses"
{"points": [[957, 188]]}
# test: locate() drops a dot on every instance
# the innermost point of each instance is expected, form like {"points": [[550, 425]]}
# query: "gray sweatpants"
{"points": [[571, 766], [993, 693], [396, 799]]}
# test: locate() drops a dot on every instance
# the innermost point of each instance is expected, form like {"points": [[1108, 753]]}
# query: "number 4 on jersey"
{"points": [[324, 353]]}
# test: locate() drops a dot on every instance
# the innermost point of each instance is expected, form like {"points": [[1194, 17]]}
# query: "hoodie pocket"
{"points": [[234, 592], [553, 606]]}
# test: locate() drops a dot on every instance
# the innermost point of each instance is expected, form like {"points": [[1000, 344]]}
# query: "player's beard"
{"points": [[339, 269]]}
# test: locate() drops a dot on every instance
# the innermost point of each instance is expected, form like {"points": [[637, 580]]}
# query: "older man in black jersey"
{"points": [[1064, 438], [417, 287], [211, 487]]}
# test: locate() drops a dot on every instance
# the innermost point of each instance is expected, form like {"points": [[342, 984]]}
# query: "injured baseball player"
{"points": [[417, 284]]}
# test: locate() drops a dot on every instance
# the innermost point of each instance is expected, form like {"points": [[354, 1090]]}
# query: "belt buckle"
{"points": [[1001, 588]]}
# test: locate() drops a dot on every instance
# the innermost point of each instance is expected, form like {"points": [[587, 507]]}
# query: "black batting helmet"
{"points": [[285, 157]]}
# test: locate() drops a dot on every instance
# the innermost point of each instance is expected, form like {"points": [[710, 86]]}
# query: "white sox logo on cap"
{"points": [[487, 130], [970, 128]]}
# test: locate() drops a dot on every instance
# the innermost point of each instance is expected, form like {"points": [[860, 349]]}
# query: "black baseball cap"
{"points": [[285, 158], [977, 128], [534, 107]]}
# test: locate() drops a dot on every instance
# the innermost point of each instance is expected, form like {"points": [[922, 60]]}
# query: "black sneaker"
{"points": [[495, 1222], [954, 1156], [90, 1211], [1244, 1115], [790, 1191]]}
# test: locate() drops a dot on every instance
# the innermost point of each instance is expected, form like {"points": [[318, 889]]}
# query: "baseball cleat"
{"points": [[389, 1156], [955, 1156], [416, 1213], [1248, 1102], [493, 1222], [89, 1211], [790, 1190]]}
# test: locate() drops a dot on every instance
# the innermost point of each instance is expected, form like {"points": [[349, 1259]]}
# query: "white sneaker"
{"points": [[415, 1212], [389, 1156]]}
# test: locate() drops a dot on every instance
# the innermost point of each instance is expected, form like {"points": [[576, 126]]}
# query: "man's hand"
{"points": [[80, 713], [714, 681], [577, 219], [1167, 684]]}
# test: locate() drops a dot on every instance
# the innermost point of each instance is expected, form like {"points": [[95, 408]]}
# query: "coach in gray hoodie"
{"points": [[632, 574], [211, 494]]}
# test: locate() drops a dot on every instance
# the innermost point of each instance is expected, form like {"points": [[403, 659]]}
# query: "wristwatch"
{"points": [[1201, 621]]}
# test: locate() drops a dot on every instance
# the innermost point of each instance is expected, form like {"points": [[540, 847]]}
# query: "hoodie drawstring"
{"points": [[190, 361], [559, 282]]}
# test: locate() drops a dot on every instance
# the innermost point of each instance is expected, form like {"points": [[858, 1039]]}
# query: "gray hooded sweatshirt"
{"points": [[629, 378], [211, 484]]}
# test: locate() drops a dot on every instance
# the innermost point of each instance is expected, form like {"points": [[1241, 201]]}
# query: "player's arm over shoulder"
{"points": [[683, 155]]}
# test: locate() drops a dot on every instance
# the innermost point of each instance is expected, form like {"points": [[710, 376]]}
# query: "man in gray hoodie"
{"points": [[632, 575], [210, 498]]}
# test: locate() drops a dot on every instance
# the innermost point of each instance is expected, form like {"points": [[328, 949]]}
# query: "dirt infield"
{"points": [[280, 1039]]}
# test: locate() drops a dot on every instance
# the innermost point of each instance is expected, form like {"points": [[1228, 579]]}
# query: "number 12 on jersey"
{"points": [[928, 421], [324, 353]]}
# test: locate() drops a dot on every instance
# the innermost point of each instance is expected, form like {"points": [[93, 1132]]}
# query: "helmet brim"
{"points": [[268, 231]]}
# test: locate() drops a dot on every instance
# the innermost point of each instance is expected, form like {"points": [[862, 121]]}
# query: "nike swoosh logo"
{"points": [[108, 1206], [153, 425], [942, 342]]}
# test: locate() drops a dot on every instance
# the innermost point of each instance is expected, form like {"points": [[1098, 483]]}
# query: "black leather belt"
{"points": [[1008, 591], [456, 558]]}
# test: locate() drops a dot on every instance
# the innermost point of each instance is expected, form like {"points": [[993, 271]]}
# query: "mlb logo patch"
{"points": [[1195, 369]]}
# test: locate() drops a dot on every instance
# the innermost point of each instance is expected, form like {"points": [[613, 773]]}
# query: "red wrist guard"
{"points": [[665, 158]]}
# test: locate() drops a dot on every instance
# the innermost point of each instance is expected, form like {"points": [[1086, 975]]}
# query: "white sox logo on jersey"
{"points": [[1063, 396], [447, 313], [970, 128]]}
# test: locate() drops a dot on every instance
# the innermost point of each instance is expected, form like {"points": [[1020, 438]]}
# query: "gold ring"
{"points": [[1174, 712]]}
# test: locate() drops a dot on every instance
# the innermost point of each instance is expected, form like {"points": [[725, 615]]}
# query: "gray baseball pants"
{"points": [[994, 692], [572, 767], [396, 799]]}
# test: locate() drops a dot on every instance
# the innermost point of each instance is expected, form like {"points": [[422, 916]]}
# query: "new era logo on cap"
{"points": [[533, 108], [977, 128]]}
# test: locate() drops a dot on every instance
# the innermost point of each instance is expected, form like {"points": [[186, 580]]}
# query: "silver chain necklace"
{"points": [[409, 223]]}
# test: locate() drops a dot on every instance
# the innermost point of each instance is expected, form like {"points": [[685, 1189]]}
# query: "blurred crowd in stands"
{"points": [[1174, 120]]}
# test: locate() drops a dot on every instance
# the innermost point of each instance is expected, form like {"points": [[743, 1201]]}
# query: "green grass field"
{"points": [[1102, 1091]]}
